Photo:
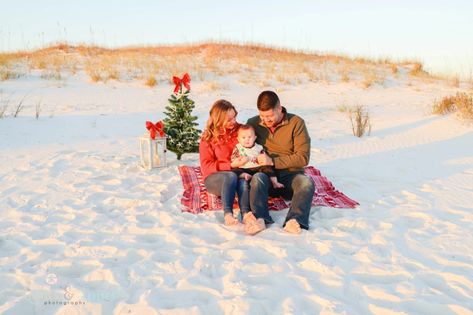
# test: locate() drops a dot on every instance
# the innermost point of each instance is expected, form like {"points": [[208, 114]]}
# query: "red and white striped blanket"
{"points": [[196, 199]]}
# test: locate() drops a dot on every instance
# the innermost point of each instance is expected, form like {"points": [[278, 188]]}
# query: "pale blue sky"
{"points": [[437, 32]]}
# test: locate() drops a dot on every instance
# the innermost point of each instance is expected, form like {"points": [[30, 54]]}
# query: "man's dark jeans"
{"points": [[297, 187]]}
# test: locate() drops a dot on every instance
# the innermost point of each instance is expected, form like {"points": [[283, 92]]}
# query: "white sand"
{"points": [[82, 221]]}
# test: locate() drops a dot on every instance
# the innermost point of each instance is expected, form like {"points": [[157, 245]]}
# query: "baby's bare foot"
{"points": [[246, 176], [278, 185], [292, 227]]}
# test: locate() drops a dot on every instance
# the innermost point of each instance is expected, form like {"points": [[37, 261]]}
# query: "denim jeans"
{"points": [[225, 184], [297, 187]]}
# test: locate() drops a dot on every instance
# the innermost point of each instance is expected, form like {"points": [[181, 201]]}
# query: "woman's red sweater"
{"points": [[216, 155]]}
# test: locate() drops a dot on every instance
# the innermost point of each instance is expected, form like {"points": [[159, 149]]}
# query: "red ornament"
{"points": [[155, 128], [186, 79]]}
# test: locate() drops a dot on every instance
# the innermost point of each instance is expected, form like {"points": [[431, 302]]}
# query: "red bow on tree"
{"points": [[155, 128], [186, 79]]}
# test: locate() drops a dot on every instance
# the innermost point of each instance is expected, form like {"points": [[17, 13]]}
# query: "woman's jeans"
{"points": [[225, 184]]}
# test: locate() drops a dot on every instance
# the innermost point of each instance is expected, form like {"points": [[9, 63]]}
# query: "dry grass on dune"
{"points": [[7, 66], [460, 103], [206, 61]]}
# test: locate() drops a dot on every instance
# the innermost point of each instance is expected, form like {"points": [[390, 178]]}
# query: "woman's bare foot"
{"points": [[253, 225], [229, 219], [293, 227]]}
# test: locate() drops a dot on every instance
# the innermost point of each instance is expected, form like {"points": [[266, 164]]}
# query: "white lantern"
{"points": [[152, 152]]}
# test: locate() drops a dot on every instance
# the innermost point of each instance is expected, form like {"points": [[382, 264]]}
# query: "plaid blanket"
{"points": [[196, 199]]}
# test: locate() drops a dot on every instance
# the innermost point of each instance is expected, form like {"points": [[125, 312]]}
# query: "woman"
{"points": [[215, 149]]}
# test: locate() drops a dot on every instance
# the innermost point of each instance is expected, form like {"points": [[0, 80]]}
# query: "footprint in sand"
{"points": [[164, 219], [166, 254], [145, 221], [260, 255], [97, 199], [66, 274], [151, 239], [10, 190], [58, 167], [8, 247], [6, 224], [104, 179]]}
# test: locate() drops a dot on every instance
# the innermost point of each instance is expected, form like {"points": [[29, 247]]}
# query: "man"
{"points": [[285, 138]]}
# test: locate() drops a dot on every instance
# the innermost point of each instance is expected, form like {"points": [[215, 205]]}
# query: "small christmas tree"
{"points": [[180, 125]]}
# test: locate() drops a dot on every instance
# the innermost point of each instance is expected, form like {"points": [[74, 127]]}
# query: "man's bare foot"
{"points": [[245, 176], [253, 225], [249, 217], [229, 219], [293, 227]]}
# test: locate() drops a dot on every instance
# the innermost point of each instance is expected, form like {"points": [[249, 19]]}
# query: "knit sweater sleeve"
{"points": [[301, 153], [209, 162]]}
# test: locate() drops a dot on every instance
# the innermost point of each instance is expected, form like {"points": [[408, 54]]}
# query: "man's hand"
{"points": [[264, 159], [239, 161]]}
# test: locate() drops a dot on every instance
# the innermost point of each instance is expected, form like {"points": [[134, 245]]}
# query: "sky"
{"points": [[438, 33]]}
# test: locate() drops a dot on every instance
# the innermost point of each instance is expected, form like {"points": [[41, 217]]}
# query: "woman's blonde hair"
{"points": [[217, 119]]}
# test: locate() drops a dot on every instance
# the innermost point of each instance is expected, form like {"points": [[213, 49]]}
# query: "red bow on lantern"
{"points": [[186, 79], [155, 128]]}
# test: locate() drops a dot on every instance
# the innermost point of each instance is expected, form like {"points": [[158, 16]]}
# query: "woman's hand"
{"points": [[264, 159], [239, 161]]}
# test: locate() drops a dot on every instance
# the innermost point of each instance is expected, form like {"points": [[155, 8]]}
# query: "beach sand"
{"points": [[82, 222]]}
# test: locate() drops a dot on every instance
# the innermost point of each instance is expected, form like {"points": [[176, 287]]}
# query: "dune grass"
{"points": [[360, 120], [4, 103], [460, 103], [255, 64]]}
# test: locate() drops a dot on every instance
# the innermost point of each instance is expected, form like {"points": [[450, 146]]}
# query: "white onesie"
{"points": [[251, 153]]}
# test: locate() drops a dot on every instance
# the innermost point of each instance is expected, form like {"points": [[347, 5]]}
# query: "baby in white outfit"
{"points": [[249, 149]]}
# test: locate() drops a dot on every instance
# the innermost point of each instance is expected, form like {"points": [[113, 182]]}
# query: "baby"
{"points": [[247, 149]]}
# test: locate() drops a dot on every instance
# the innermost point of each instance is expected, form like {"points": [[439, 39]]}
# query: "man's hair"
{"points": [[267, 100]]}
